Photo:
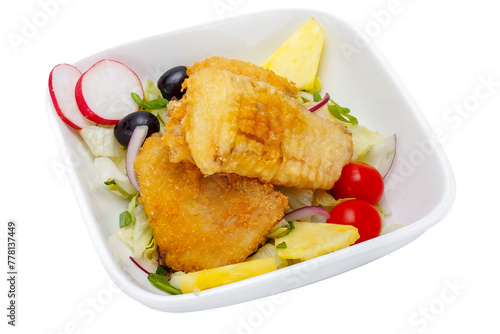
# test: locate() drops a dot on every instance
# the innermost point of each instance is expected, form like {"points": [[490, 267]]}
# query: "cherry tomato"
{"points": [[360, 214], [361, 181]]}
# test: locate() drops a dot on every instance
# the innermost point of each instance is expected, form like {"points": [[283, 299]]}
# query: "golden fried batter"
{"points": [[233, 123], [175, 137], [203, 222], [248, 69]]}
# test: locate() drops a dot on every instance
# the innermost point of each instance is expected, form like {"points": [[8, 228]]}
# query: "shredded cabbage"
{"points": [[324, 199], [113, 177], [268, 250], [138, 235], [102, 142], [297, 197], [144, 242], [363, 139], [174, 279], [152, 92]]}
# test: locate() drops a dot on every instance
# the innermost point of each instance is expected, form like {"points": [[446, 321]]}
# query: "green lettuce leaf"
{"points": [[113, 177], [102, 142], [297, 198], [363, 140], [138, 235]]}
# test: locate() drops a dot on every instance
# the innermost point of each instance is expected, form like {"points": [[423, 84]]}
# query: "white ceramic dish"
{"points": [[420, 188]]}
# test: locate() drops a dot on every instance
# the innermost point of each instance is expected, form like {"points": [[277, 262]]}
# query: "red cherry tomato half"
{"points": [[361, 181], [360, 214]]}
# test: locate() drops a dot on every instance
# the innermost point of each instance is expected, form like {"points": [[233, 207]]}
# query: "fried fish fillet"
{"points": [[175, 137], [233, 123], [248, 69], [203, 222]]}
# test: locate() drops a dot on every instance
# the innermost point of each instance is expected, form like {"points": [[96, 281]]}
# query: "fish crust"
{"points": [[233, 123], [203, 222]]}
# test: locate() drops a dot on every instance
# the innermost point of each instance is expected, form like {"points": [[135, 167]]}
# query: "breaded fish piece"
{"points": [[175, 138], [248, 69], [203, 222], [235, 124]]}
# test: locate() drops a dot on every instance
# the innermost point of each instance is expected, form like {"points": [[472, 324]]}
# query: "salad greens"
{"points": [[125, 219], [154, 103], [268, 250], [101, 141], [281, 245], [114, 177], [340, 113], [161, 283], [363, 140], [158, 103], [137, 234], [135, 231]]}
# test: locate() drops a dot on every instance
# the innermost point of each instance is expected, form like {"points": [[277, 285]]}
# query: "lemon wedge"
{"points": [[309, 240], [297, 59], [211, 278]]}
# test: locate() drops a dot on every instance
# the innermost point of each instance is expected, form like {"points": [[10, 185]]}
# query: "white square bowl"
{"points": [[420, 188]]}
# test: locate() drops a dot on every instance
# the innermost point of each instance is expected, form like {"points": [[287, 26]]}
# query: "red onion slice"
{"points": [[160, 256], [320, 103], [307, 211], [134, 146], [138, 265]]}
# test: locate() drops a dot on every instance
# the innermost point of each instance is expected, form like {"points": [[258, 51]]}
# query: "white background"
{"points": [[446, 281]]}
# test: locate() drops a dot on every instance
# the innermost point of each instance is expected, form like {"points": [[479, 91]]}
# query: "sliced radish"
{"points": [[103, 92], [133, 149], [389, 154], [62, 82]]}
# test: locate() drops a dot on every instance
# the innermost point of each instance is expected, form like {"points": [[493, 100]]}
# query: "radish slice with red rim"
{"points": [[306, 211], [62, 82], [103, 92], [133, 149]]}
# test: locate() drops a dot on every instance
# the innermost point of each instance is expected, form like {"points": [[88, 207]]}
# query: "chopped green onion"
{"points": [[161, 270], [151, 91], [282, 231], [278, 232], [341, 113], [149, 105], [125, 219], [161, 283], [316, 96], [110, 182], [281, 245]]}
